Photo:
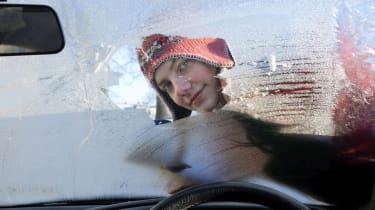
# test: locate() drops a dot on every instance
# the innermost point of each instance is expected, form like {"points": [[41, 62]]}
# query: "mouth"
{"points": [[196, 97]]}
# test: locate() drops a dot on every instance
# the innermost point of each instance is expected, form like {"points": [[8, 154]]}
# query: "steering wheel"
{"points": [[229, 192]]}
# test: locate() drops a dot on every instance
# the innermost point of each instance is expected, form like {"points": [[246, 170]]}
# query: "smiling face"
{"points": [[191, 84]]}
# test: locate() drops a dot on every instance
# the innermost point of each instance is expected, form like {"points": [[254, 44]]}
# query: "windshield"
{"points": [[85, 123]]}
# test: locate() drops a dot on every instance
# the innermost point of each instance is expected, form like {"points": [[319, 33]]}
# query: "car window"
{"points": [[80, 121]]}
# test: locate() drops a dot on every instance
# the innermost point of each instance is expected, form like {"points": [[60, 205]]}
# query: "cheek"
{"points": [[204, 75]]}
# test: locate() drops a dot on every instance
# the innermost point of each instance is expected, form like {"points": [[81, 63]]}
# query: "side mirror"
{"points": [[29, 29]]}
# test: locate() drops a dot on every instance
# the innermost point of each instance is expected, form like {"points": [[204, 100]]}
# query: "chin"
{"points": [[207, 109]]}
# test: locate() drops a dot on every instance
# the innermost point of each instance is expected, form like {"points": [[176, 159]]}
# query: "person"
{"points": [[184, 71]]}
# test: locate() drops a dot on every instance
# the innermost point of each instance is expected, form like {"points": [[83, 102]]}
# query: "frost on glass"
{"points": [[354, 112], [304, 76], [316, 77], [308, 65]]}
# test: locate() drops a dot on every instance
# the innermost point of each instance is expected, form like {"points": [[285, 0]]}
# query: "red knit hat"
{"points": [[158, 48]]}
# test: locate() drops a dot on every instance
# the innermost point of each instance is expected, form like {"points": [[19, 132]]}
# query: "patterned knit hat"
{"points": [[158, 48]]}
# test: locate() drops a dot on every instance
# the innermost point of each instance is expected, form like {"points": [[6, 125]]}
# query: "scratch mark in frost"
{"points": [[91, 121]]}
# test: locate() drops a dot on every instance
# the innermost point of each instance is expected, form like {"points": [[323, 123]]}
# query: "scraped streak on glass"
{"points": [[297, 93]]}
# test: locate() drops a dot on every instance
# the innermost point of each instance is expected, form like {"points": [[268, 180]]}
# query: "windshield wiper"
{"points": [[129, 204]]}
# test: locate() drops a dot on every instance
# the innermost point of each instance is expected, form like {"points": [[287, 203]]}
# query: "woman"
{"points": [[184, 71]]}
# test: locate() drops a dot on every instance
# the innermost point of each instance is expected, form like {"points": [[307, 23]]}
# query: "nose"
{"points": [[182, 86]]}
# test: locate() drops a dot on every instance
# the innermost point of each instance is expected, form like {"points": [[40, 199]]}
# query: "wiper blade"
{"points": [[129, 204]]}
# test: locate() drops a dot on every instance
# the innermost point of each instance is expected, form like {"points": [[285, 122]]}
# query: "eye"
{"points": [[183, 67], [166, 86]]}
